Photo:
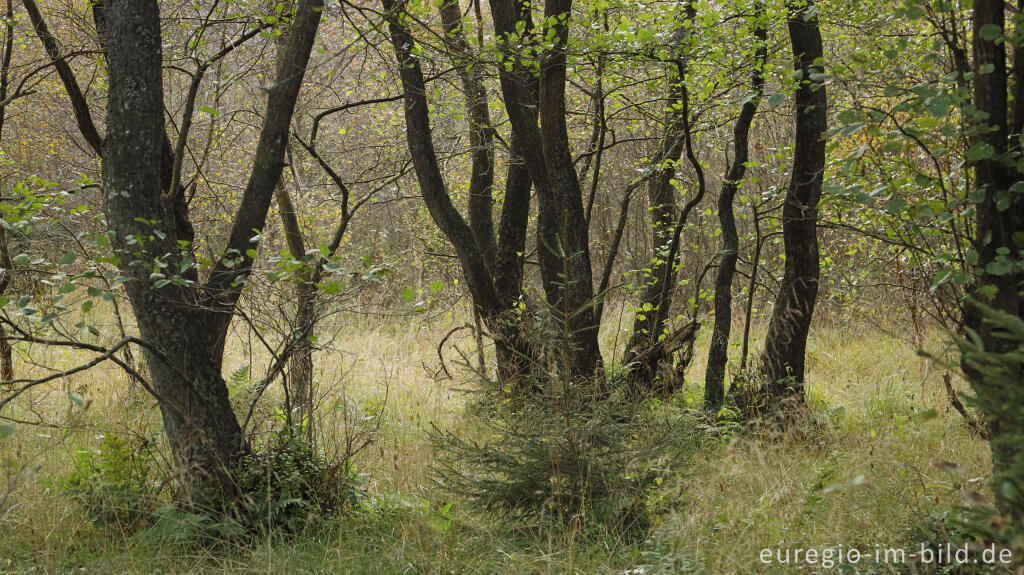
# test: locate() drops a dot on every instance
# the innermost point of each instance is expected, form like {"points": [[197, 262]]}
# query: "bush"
{"points": [[572, 450], [998, 381], [116, 485], [288, 486], [284, 488]]}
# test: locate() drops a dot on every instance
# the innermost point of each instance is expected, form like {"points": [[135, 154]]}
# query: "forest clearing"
{"points": [[454, 286]]}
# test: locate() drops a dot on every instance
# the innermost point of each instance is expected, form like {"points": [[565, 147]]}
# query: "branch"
{"points": [[78, 103]]}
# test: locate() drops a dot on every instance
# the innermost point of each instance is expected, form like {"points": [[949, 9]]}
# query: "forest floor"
{"points": [[884, 457]]}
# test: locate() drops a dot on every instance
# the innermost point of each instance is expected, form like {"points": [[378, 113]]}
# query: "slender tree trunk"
{"points": [[515, 355], [494, 306], [300, 373], [6, 353], [646, 350], [718, 353], [481, 208], [748, 313], [786, 340], [493, 270], [577, 288], [504, 261], [536, 110], [6, 350]]}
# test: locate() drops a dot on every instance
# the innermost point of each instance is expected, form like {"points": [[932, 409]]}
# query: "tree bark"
{"points": [[481, 212], [6, 352], [573, 256], [517, 356], [200, 425], [299, 379], [997, 228], [185, 340], [786, 341], [494, 306], [718, 352], [536, 110]]}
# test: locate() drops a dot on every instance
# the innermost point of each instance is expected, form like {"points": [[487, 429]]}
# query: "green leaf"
{"points": [[436, 287], [990, 32], [940, 278], [209, 110], [896, 205], [6, 430], [408, 295], [980, 151], [76, 399], [1000, 267]]}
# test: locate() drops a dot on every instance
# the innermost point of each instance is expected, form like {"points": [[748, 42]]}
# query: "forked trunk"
{"points": [[202, 430]]}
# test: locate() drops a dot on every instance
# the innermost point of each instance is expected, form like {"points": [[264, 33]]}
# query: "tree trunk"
{"points": [[998, 280], [6, 350], [201, 426], [504, 261], [718, 352], [515, 356], [494, 306], [648, 359], [185, 341], [481, 208], [536, 110], [748, 311], [786, 341], [299, 379], [6, 353], [572, 253]]}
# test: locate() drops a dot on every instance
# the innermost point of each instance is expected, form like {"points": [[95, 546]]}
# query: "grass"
{"points": [[883, 455]]}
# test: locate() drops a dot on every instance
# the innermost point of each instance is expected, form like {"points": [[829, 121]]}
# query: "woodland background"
{"points": [[482, 287]]}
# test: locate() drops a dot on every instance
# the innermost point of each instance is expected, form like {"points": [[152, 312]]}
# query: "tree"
{"points": [[6, 53], [786, 340], [563, 242], [650, 347], [714, 376], [999, 218], [470, 240], [183, 323]]}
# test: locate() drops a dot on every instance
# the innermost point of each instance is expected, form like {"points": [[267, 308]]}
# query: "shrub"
{"points": [[288, 486], [998, 381], [569, 449], [117, 484]]}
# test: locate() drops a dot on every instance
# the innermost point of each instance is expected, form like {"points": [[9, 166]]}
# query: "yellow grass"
{"points": [[885, 453]]}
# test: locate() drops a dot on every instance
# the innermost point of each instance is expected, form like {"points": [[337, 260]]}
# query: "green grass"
{"points": [[882, 454]]}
